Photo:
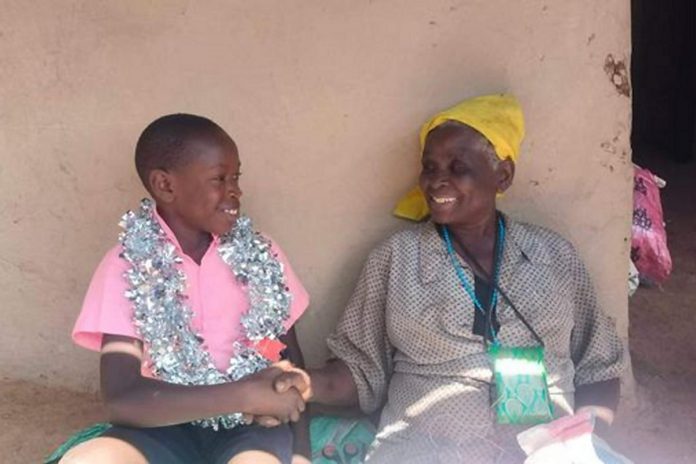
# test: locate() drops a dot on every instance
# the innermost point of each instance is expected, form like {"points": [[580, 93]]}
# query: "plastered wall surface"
{"points": [[324, 100]]}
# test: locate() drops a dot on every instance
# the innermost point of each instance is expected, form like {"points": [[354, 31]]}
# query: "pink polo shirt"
{"points": [[217, 300]]}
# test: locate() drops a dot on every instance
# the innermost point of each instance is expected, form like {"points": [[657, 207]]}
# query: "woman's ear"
{"points": [[161, 185], [505, 173]]}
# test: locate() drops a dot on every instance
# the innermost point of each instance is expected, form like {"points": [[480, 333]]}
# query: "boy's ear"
{"points": [[161, 185]]}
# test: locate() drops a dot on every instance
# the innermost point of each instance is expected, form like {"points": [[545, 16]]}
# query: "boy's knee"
{"points": [[103, 450], [254, 457]]}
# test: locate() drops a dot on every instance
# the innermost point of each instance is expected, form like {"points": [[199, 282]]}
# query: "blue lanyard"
{"points": [[468, 287]]}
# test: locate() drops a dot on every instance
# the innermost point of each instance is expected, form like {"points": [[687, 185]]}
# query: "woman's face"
{"points": [[460, 176]]}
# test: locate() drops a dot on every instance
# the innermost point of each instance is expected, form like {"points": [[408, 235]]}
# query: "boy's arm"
{"points": [[134, 400], [300, 429]]}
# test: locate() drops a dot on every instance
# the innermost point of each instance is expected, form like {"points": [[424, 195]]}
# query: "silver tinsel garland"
{"points": [[157, 288]]}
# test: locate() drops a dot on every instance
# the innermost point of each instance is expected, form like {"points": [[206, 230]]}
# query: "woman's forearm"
{"points": [[604, 393], [333, 385], [602, 398]]}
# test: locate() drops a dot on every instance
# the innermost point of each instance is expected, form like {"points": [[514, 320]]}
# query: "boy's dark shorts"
{"points": [[190, 444]]}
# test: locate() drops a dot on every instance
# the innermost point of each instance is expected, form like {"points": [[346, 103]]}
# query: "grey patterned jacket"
{"points": [[406, 336]]}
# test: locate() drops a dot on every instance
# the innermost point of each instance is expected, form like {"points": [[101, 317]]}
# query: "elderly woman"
{"points": [[412, 341]]}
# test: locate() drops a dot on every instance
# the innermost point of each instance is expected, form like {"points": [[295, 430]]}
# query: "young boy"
{"points": [[186, 312]]}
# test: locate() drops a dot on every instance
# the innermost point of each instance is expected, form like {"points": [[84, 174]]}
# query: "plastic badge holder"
{"points": [[521, 394]]}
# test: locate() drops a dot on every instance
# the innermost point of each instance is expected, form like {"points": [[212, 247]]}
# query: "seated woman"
{"points": [[412, 341]]}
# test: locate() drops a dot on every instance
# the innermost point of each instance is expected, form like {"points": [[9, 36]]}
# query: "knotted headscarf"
{"points": [[498, 117]]}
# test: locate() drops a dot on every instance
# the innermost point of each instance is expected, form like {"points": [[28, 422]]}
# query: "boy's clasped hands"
{"points": [[277, 394]]}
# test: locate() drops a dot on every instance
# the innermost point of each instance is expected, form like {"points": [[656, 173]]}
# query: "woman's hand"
{"points": [[294, 377], [264, 400], [599, 398], [288, 378], [602, 413]]}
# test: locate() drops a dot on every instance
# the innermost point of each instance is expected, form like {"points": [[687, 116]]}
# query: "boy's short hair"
{"points": [[165, 142]]}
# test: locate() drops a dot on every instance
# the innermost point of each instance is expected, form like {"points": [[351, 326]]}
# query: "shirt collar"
{"points": [[520, 245], [170, 234]]}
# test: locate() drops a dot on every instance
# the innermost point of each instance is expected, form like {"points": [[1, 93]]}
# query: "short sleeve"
{"points": [[596, 350], [300, 297], [105, 309], [361, 339]]}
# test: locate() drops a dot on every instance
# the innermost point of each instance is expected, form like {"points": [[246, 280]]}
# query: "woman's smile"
{"points": [[442, 200]]}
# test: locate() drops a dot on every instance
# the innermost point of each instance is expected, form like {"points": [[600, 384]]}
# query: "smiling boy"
{"points": [[174, 311]]}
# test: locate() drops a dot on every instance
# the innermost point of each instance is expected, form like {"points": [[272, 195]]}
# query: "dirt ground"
{"points": [[36, 419], [660, 427]]}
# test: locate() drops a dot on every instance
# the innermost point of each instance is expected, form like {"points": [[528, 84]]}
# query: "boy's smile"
{"points": [[202, 196]]}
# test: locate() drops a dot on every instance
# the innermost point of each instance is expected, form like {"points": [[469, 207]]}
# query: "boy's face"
{"points": [[204, 194]]}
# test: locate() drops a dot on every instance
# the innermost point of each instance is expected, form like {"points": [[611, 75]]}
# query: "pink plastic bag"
{"points": [[649, 250]]}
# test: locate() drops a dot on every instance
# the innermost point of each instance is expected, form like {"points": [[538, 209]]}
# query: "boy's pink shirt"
{"points": [[218, 301]]}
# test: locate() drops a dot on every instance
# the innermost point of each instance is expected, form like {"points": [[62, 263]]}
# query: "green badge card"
{"points": [[521, 395]]}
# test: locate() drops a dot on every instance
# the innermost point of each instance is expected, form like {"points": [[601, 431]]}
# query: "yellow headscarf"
{"points": [[499, 118]]}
